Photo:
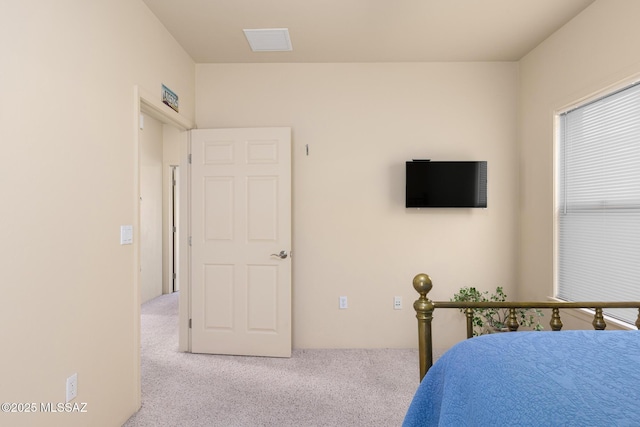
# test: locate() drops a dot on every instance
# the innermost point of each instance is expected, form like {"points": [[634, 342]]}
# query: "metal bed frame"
{"points": [[424, 308]]}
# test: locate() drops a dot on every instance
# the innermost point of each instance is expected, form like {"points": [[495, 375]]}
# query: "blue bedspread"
{"points": [[568, 378]]}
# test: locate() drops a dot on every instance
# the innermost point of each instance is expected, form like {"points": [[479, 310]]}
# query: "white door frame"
{"points": [[144, 102]]}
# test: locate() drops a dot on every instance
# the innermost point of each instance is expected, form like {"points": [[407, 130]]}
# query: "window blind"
{"points": [[598, 206]]}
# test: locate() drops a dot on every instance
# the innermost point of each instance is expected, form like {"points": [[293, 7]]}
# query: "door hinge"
{"points": [[189, 323], [189, 240], [189, 158], [174, 276]]}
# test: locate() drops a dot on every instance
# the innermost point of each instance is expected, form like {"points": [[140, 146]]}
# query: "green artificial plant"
{"points": [[488, 320]]}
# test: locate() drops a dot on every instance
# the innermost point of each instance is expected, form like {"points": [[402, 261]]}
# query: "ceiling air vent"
{"points": [[269, 40]]}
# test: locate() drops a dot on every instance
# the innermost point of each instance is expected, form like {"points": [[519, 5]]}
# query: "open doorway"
{"points": [[159, 156], [151, 202], [174, 247], [173, 133]]}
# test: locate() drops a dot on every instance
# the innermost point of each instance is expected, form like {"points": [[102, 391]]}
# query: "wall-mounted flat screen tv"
{"points": [[446, 184]]}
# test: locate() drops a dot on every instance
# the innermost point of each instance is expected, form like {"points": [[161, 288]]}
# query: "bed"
{"points": [[550, 378]]}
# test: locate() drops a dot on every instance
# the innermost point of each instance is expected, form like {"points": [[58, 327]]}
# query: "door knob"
{"points": [[281, 255]]}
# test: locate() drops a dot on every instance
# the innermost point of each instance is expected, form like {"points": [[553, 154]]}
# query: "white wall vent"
{"points": [[269, 39]]}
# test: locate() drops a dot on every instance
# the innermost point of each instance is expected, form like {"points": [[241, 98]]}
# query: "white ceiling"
{"points": [[366, 30]]}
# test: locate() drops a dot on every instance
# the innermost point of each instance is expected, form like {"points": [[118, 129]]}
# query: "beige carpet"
{"points": [[312, 388]]}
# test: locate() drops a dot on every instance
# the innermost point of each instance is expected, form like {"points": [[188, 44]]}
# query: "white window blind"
{"points": [[598, 209]]}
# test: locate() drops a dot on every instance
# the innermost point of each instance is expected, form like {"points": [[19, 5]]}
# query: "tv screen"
{"points": [[446, 184]]}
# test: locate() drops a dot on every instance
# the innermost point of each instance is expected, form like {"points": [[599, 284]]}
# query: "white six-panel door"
{"points": [[241, 241]]}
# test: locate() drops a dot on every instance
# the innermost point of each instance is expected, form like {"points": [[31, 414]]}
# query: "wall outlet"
{"points": [[397, 303], [126, 234], [343, 303], [72, 387]]}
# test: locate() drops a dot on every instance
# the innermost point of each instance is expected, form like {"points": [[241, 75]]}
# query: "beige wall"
{"points": [[352, 234], [67, 132], [151, 218], [596, 50]]}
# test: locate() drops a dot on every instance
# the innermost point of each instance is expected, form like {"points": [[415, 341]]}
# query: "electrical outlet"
{"points": [[126, 234], [343, 303], [397, 303], [72, 387]]}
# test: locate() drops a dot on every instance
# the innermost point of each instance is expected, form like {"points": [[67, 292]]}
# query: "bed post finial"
{"points": [[422, 284], [424, 313]]}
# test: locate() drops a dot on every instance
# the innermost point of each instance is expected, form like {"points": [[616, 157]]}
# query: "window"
{"points": [[598, 205]]}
